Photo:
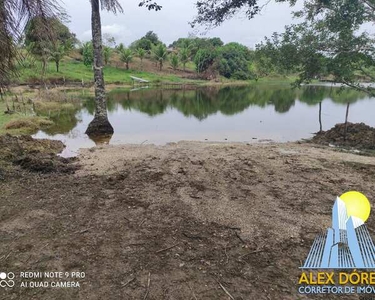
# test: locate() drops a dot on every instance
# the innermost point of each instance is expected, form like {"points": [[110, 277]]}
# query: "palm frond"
{"points": [[111, 5]]}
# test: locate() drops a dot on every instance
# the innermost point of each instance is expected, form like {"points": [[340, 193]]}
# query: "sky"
{"points": [[172, 22]]}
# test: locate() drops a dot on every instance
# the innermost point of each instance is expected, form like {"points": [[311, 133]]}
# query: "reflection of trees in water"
{"points": [[202, 102], [316, 94], [64, 120], [312, 95]]}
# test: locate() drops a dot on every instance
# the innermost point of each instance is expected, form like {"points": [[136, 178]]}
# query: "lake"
{"points": [[257, 113]]}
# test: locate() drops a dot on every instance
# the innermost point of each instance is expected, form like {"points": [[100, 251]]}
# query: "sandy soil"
{"points": [[181, 221]]}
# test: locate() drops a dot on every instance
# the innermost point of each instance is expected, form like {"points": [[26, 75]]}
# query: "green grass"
{"points": [[9, 118], [73, 70]]}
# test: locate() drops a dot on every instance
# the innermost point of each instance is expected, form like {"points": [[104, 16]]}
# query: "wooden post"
{"points": [[346, 121], [320, 116]]}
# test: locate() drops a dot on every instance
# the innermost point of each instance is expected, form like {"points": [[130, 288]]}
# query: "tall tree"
{"points": [[14, 15], [100, 125]]}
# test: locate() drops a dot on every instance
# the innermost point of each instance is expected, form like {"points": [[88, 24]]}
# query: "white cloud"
{"points": [[119, 32]]}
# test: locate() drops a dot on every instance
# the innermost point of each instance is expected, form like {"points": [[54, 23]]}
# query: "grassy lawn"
{"points": [[73, 70]]}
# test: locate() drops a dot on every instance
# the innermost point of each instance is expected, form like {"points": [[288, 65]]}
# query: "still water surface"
{"points": [[234, 114]]}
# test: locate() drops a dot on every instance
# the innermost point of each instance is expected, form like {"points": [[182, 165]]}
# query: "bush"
{"points": [[234, 61], [204, 59]]}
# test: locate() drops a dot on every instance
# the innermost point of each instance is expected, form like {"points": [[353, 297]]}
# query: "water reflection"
{"points": [[204, 102], [233, 113]]}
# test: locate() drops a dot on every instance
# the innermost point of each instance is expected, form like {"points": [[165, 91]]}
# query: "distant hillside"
{"points": [[72, 69]]}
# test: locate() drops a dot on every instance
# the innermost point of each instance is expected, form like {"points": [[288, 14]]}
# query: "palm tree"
{"points": [[126, 56], [160, 54], [100, 125], [120, 47], [56, 54], [107, 51], [141, 53], [184, 55], [174, 61]]}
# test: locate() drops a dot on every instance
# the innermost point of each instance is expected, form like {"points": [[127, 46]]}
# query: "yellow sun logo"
{"points": [[357, 205]]}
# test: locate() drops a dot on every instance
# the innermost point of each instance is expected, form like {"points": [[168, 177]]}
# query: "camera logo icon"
{"points": [[6, 279]]}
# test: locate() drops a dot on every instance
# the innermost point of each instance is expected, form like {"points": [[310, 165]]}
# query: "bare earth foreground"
{"points": [[182, 221]]}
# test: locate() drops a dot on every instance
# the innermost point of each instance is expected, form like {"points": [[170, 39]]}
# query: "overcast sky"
{"points": [[172, 22]]}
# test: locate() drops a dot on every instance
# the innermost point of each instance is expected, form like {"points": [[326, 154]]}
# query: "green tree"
{"points": [[87, 54], [184, 55], [152, 37], [329, 45], [126, 56], [234, 61], [331, 40], [107, 51], [141, 43], [57, 52], [263, 62], [204, 59], [50, 46], [147, 42], [13, 14], [174, 61], [120, 47], [194, 44], [141, 53], [160, 54]]}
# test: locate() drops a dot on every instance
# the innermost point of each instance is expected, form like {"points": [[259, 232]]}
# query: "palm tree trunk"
{"points": [[100, 124]]}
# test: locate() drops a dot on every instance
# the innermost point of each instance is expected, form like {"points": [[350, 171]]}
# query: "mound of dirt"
{"points": [[358, 135], [36, 155]]}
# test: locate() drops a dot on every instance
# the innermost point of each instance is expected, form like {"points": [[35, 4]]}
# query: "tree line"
{"points": [[210, 56]]}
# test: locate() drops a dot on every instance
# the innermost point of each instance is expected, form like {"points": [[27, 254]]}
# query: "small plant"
{"points": [[175, 61], [88, 54], [141, 53], [107, 51], [184, 56], [126, 56], [160, 54]]}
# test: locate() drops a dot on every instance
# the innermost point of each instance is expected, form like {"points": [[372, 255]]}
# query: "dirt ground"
{"points": [[350, 135], [182, 221]]}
